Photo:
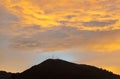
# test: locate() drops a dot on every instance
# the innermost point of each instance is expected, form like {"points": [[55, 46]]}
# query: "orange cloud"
{"points": [[66, 13], [108, 41], [29, 13]]}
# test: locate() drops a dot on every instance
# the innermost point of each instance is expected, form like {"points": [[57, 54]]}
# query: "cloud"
{"points": [[99, 24], [38, 16], [49, 40], [103, 41], [29, 15], [7, 18], [68, 13], [60, 38]]}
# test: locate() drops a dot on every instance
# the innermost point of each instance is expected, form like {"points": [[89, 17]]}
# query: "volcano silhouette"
{"points": [[60, 69]]}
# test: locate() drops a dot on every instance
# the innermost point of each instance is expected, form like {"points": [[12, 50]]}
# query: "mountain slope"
{"points": [[4, 75], [59, 69]]}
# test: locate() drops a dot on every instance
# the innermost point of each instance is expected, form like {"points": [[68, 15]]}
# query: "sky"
{"points": [[79, 31]]}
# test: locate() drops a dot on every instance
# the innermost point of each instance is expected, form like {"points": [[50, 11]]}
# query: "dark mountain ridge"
{"points": [[5, 75], [60, 69]]}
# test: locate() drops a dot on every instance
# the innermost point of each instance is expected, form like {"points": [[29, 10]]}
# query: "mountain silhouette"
{"points": [[5, 75], [60, 69]]}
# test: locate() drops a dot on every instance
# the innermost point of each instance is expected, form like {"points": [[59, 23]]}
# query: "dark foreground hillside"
{"points": [[5, 75], [59, 69]]}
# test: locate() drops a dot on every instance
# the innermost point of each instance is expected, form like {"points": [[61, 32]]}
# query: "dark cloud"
{"points": [[99, 23], [55, 38], [60, 38], [7, 16]]}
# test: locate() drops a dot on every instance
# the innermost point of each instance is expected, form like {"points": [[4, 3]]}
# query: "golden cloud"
{"points": [[70, 13], [108, 41]]}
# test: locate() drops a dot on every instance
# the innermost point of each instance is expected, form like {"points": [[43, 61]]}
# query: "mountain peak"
{"points": [[53, 61], [60, 69]]}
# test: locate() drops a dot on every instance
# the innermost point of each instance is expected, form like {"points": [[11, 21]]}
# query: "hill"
{"points": [[5, 75], [60, 69]]}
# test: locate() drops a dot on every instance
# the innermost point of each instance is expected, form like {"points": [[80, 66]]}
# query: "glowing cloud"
{"points": [[70, 13]]}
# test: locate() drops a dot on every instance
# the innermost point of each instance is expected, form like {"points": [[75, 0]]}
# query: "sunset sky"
{"points": [[80, 31]]}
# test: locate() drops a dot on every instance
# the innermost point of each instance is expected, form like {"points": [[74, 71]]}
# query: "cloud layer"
{"points": [[71, 13]]}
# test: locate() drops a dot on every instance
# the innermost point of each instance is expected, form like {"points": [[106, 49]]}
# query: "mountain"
{"points": [[60, 69], [5, 75]]}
